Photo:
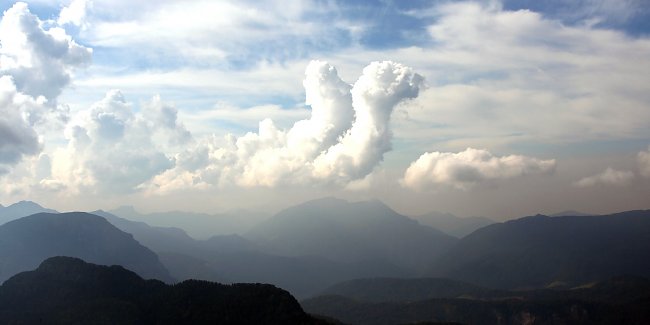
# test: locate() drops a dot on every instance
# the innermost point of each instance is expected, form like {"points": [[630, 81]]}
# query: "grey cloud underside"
{"points": [[35, 66]]}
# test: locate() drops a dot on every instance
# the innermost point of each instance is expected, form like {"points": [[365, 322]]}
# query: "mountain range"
{"points": [[453, 225], [352, 232], [65, 290], [197, 225], [541, 251], [312, 246], [27, 241], [21, 209], [619, 300]]}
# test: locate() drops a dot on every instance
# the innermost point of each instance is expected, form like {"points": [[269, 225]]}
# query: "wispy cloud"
{"points": [[608, 177]]}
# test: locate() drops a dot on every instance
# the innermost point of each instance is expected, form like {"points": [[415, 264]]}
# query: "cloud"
{"points": [[344, 139], [111, 149], [17, 136], [35, 65], [536, 78], [608, 177], [643, 159], [75, 13], [39, 60], [236, 32], [468, 168]]}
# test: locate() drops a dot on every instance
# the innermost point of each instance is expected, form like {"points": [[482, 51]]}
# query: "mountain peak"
{"points": [[26, 205], [29, 240]]}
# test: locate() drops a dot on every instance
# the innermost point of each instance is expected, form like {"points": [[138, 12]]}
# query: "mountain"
{"points": [[540, 251], [158, 239], [197, 225], [25, 242], [65, 290], [232, 258], [453, 225], [21, 209], [620, 300], [408, 290], [351, 232]]}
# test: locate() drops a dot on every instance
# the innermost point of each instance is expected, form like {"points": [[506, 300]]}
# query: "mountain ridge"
{"points": [[26, 241], [66, 290], [536, 251]]}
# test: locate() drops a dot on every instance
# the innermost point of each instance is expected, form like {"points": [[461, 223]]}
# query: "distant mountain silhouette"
{"points": [[231, 258], [197, 225], [27, 241], [158, 239], [541, 251], [351, 232], [21, 209], [571, 213], [453, 225], [620, 300], [66, 290]]}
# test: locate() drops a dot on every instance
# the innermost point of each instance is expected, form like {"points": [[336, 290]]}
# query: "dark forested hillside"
{"points": [[405, 290], [620, 300], [541, 251], [66, 290], [25, 242]]}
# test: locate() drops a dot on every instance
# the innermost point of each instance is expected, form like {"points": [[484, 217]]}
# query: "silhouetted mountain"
{"points": [[21, 209], [25, 242], [405, 290], [231, 258], [184, 256], [621, 300], [158, 239], [303, 276], [542, 251], [351, 232], [66, 290], [185, 267], [197, 225], [453, 225]]}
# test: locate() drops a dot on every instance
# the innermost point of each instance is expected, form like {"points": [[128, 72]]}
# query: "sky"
{"points": [[478, 108]]}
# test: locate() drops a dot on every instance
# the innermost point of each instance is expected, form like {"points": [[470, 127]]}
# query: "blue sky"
{"points": [[211, 105]]}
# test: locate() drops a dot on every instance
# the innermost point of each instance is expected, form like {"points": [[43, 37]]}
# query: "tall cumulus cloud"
{"points": [[345, 138], [36, 63]]}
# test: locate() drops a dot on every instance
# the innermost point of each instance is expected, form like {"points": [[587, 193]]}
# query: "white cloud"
{"points": [[39, 60], [35, 65], [75, 13], [111, 149], [344, 139], [234, 31], [520, 73], [643, 159], [468, 168], [608, 177]]}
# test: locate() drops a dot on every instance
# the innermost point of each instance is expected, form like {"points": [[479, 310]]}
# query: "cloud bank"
{"points": [[468, 168], [344, 139], [608, 177]]}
